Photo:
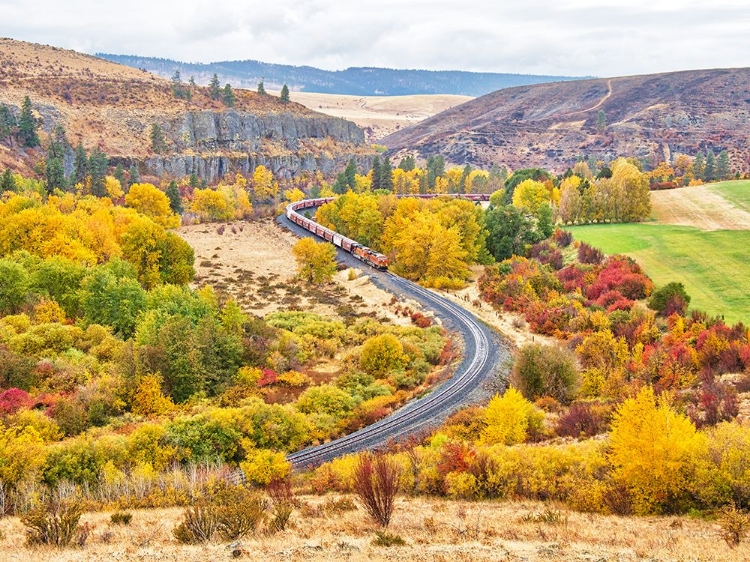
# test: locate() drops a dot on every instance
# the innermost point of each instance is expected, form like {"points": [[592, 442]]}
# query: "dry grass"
{"points": [[253, 262], [379, 116], [433, 530], [699, 206]]}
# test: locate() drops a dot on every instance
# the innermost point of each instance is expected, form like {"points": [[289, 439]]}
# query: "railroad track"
{"points": [[481, 358]]}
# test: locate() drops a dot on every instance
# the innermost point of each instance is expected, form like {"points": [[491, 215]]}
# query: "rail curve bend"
{"points": [[485, 355]]}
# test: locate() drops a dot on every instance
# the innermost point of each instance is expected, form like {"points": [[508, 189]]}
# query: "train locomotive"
{"points": [[362, 253]]}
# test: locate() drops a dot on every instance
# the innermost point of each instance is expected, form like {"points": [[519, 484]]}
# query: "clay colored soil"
{"points": [[379, 115], [434, 529]]}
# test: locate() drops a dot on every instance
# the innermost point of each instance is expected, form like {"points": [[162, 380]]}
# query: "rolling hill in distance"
{"points": [[552, 125], [365, 81]]}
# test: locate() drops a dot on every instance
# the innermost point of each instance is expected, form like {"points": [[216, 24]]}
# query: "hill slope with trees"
{"points": [[652, 117]]}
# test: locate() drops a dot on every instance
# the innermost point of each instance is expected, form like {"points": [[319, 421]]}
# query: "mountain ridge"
{"points": [[366, 81]]}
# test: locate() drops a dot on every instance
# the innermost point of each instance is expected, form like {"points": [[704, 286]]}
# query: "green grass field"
{"points": [[736, 192], [714, 266]]}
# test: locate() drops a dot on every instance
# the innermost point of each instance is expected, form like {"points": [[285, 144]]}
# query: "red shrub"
{"points": [[268, 377], [582, 420], [420, 320], [588, 254], [12, 400], [563, 238]]}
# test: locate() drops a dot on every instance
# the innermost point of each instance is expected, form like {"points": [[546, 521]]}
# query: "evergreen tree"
{"points": [[351, 174], [7, 123], [98, 164], [228, 96], [158, 144], [119, 175], [261, 88], [194, 180], [375, 173], [214, 89], [27, 126], [80, 165], [710, 173], [55, 167], [134, 175], [7, 183], [340, 186], [176, 84], [407, 164], [435, 169], [175, 200], [386, 174], [722, 166], [601, 121], [699, 166], [284, 94]]}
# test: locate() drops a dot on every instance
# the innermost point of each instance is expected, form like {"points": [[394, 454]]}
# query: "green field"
{"points": [[736, 192], [714, 266]]}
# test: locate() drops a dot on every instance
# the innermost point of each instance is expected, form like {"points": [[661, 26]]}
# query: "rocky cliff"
{"points": [[114, 107]]}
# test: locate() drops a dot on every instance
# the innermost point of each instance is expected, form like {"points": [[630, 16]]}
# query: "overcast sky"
{"points": [[578, 37]]}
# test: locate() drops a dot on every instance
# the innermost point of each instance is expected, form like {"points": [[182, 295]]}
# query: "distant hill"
{"points": [[650, 117], [114, 107], [352, 81]]}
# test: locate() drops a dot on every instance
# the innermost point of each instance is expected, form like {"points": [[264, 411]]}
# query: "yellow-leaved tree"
{"points": [[381, 355], [263, 183], [22, 454], [152, 202], [510, 418], [316, 261], [652, 449], [148, 399], [211, 205], [530, 195]]}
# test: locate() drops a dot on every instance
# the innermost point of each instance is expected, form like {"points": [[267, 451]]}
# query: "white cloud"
{"points": [[575, 37]]}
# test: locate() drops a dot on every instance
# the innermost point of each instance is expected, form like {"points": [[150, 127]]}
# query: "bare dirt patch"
{"points": [[433, 529], [700, 207], [253, 262]]}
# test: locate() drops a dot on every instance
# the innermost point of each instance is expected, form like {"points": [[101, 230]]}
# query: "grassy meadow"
{"points": [[713, 266], [736, 192]]}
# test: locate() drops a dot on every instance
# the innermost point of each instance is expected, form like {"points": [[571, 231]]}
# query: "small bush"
{"points": [[542, 370], [583, 420], [588, 254], [283, 500], [54, 523], [384, 538], [670, 299], [734, 525], [282, 513], [342, 505], [376, 482], [199, 523], [563, 238], [548, 516], [239, 510], [121, 518]]}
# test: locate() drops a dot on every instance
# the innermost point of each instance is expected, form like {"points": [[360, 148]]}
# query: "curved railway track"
{"points": [[482, 356]]}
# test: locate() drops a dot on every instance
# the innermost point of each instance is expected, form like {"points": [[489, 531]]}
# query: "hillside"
{"points": [[552, 125], [352, 81], [114, 106], [379, 116]]}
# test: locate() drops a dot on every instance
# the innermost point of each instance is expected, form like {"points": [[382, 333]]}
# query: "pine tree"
{"points": [[351, 174], [699, 166], [7, 183], [407, 164], [27, 126], [214, 89], [134, 175], [722, 166], [175, 200], [261, 88], [375, 173], [98, 164], [435, 169], [228, 96], [176, 84], [601, 121], [194, 180], [119, 175], [284, 94], [386, 174], [7, 123], [158, 144], [80, 165], [710, 173], [55, 169]]}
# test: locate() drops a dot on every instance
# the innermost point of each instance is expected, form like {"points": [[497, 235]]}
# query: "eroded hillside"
{"points": [[552, 125]]}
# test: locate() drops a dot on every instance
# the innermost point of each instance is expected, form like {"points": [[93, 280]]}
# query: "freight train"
{"points": [[362, 253]]}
